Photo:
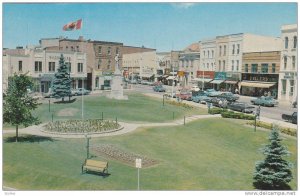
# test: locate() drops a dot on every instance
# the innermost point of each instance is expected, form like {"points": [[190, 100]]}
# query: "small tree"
{"points": [[62, 82], [17, 104], [274, 172]]}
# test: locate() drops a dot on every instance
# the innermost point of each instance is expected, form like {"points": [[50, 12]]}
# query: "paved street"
{"points": [[269, 112]]}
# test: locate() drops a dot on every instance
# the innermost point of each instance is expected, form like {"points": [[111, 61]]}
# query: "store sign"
{"points": [[233, 76], [67, 58], [260, 77], [220, 76], [206, 74], [181, 73]]}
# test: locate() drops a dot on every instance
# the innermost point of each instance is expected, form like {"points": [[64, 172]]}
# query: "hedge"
{"points": [[215, 111], [176, 103], [285, 130], [237, 115]]}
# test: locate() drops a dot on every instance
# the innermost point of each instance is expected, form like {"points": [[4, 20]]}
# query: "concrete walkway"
{"points": [[127, 128]]}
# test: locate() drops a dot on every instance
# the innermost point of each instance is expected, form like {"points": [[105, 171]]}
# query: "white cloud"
{"points": [[183, 5]]}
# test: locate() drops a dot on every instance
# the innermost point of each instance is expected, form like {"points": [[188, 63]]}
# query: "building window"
{"points": [[207, 65], [237, 65], [254, 68], [233, 48], [68, 64], [224, 50], [38, 66], [285, 61], [232, 65], [117, 50], [283, 83], [238, 49], [212, 66], [286, 42], [208, 54], [293, 62], [72, 48], [223, 65], [20, 65], [67, 47], [291, 87], [264, 68], [109, 51], [212, 54], [108, 65], [246, 68], [79, 67], [77, 48], [204, 53], [99, 63], [51, 66], [273, 67], [219, 65], [99, 49], [295, 41], [220, 50]]}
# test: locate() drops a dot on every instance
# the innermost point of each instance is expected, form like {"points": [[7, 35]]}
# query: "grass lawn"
{"points": [[203, 155], [139, 108]]}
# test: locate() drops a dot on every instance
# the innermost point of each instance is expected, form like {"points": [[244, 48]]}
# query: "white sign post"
{"points": [[138, 164]]}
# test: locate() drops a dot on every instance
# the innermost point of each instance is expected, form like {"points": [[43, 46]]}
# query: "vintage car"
{"points": [[290, 118], [228, 96], [80, 91], [159, 88], [185, 95], [212, 92], [199, 97], [241, 107], [265, 101]]}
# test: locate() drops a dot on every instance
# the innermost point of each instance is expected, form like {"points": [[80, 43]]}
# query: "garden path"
{"points": [[127, 128]]}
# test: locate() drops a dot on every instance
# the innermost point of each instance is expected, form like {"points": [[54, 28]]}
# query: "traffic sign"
{"points": [[138, 163]]}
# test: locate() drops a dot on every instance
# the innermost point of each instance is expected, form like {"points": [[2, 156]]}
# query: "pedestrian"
{"points": [[236, 91], [269, 93]]}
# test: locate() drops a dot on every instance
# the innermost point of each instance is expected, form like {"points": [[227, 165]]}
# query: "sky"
{"points": [[164, 26]]}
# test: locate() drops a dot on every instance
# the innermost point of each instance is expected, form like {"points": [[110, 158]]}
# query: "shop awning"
{"points": [[146, 75], [217, 81], [202, 79], [230, 82], [258, 84]]}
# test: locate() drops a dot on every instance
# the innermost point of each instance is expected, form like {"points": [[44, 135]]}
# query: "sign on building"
{"points": [[138, 163]]}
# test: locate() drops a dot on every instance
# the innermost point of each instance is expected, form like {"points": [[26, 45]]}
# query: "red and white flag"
{"points": [[73, 25]]}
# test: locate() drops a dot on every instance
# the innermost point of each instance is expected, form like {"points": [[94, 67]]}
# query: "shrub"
{"points": [[215, 110], [176, 103], [285, 130], [237, 115]]}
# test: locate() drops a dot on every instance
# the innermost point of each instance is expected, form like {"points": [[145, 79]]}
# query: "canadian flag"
{"points": [[73, 25]]}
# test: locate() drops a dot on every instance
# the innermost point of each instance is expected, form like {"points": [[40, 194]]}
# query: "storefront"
{"points": [[218, 82], [257, 85], [204, 78], [232, 81]]}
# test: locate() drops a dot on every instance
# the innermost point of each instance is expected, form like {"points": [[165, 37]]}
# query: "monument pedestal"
{"points": [[117, 87]]}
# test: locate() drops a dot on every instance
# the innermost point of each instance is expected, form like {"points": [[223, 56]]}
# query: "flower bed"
{"points": [[82, 126]]}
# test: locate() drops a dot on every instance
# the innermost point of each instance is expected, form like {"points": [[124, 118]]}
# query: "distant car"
{"points": [[212, 92], [159, 89], [265, 101], [195, 88], [80, 91], [290, 118], [228, 96], [241, 107], [144, 82], [132, 82], [185, 96], [218, 102], [199, 97]]}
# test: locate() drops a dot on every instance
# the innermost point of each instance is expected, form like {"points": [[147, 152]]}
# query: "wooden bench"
{"points": [[94, 165]]}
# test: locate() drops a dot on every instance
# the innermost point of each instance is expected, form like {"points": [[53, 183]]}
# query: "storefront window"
{"points": [[273, 68], [291, 87], [264, 68], [246, 68], [293, 62], [285, 62], [254, 68], [286, 44], [283, 83]]}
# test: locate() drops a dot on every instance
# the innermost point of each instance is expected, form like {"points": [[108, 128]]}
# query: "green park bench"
{"points": [[95, 166]]}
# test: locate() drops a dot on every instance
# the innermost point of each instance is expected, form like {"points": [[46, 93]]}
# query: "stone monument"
{"points": [[117, 83]]}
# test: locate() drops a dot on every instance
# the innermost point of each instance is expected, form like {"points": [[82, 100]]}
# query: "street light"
{"points": [[87, 146]]}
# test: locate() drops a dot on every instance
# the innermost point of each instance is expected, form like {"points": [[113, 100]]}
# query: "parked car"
{"points": [[185, 95], [212, 92], [241, 107], [144, 82], [218, 102], [80, 91], [228, 96], [132, 82], [195, 88], [290, 118], [265, 101], [159, 89], [199, 97]]}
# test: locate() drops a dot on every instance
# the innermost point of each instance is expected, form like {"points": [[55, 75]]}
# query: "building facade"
{"points": [[288, 76], [41, 65]]}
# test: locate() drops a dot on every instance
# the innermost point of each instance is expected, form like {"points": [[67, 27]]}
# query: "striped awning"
{"points": [[230, 82], [258, 84], [217, 81]]}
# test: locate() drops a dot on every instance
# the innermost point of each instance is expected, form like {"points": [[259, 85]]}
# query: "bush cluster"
{"points": [[176, 103], [238, 115], [215, 111], [82, 126], [285, 130]]}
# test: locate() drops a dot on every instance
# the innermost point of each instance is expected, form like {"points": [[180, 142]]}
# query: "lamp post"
{"points": [[87, 146], [172, 81]]}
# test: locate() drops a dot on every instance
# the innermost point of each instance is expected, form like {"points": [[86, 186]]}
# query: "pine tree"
{"points": [[62, 81], [274, 172], [17, 104]]}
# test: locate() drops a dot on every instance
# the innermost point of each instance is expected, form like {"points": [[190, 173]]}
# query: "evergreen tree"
{"points": [[17, 104], [274, 172], [62, 82]]}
